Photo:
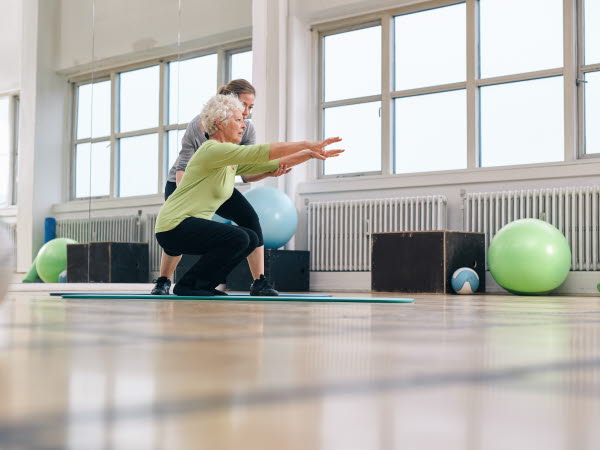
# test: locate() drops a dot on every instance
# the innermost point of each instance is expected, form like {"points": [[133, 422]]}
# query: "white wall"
{"points": [[10, 45], [136, 29]]}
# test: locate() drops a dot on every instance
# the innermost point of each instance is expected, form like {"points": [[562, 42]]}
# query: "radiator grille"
{"points": [[114, 229], [339, 232], [573, 210], [155, 251]]}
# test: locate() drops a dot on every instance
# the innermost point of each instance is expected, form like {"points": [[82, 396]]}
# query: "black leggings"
{"points": [[236, 208], [222, 248]]}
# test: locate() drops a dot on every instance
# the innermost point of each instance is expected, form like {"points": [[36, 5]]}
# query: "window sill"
{"points": [[142, 201], [8, 211], [572, 169]]}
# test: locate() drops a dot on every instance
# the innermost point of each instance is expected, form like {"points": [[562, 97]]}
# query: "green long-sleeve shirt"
{"points": [[209, 180]]}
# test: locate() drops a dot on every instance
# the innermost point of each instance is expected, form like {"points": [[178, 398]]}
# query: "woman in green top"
{"points": [[184, 224]]}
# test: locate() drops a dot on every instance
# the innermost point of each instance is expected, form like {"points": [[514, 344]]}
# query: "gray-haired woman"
{"points": [[184, 224]]}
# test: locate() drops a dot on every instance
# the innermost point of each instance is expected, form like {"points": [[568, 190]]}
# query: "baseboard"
{"points": [[577, 283]]}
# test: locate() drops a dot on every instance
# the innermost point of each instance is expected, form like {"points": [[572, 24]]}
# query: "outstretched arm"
{"points": [[282, 149]]}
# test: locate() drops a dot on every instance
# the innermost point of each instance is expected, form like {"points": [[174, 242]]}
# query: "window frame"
{"points": [[582, 70], [571, 71], [14, 101], [223, 53]]}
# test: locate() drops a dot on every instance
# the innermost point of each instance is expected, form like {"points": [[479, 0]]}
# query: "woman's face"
{"points": [[248, 101], [234, 128]]}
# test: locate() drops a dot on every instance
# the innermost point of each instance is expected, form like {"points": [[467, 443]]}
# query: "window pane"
{"points": [[592, 31], [241, 66], [139, 99], [520, 36], [422, 58], [360, 128], [93, 110], [5, 151], [138, 165], [353, 64], [522, 123], [92, 174], [174, 138], [420, 150], [191, 83], [592, 112]]}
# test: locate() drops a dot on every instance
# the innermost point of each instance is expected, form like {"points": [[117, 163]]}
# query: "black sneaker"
{"points": [[180, 289], [218, 292], [163, 284], [263, 288]]}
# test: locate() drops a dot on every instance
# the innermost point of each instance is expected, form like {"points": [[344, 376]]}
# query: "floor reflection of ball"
{"points": [[6, 263]]}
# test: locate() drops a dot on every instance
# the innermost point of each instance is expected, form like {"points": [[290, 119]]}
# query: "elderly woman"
{"points": [[184, 224]]}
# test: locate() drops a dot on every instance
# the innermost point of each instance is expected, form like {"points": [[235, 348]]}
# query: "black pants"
{"points": [[236, 208], [222, 248]]}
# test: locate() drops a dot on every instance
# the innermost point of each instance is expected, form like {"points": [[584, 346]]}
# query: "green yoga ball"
{"points": [[529, 256], [52, 259]]}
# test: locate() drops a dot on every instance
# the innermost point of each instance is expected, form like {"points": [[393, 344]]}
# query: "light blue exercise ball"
{"points": [[218, 218], [276, 213], [465, 281], [62, 277]]}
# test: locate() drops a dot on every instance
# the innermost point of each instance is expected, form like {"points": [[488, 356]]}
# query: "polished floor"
{"points": [[447, 372]]}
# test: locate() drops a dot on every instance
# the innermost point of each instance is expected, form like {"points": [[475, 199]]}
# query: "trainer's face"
{"points": [[234, 128], [248, 101]]}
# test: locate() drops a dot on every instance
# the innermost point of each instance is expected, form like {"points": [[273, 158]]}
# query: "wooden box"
{"points": [[424, 261], [108, 262]]}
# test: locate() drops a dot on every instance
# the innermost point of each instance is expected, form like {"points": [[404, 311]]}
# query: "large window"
{"points": [[351, 96], [462, 85], [589, 76], [129, 123], [9, 107]]}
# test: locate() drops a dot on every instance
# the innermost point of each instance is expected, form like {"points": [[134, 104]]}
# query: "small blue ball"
{"points": [[465, 281], [62, 277]]}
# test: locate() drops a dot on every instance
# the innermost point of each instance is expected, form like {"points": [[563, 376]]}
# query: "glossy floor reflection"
{"points": [[451, 372]]}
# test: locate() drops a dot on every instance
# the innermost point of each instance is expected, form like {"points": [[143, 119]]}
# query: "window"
{"points": [[589, 72], [241, 66], [125, 137], [428, 67], [351, 96], [462, 85], [9, 108]]}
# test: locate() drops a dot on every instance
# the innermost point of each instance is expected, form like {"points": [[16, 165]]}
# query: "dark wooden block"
{"points": [[288, 269], [424, 261], [108, 262]]}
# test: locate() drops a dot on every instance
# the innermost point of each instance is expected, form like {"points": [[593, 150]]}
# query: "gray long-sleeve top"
{"points": [[194, 137]]}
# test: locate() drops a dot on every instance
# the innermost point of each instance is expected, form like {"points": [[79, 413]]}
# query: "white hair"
{"points": [[219, 109]]}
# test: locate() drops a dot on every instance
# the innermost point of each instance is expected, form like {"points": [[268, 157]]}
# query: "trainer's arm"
{"points": [[178, 176]]}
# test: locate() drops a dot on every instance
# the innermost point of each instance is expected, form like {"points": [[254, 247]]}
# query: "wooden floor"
{"points": [[447, 372]]}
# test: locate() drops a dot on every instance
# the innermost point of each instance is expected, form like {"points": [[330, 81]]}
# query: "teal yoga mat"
{"points": [[238, 298], [60, 294]]}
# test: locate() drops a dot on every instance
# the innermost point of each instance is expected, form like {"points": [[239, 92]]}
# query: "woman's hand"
{"points": [[282, 170], [324, 154], [317, 146]]}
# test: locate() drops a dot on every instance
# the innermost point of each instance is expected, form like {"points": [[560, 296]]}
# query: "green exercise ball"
{"points": [[52, 259], [529, 256]]}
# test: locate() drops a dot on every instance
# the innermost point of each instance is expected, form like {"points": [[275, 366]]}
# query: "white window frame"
{"points": [[223, 53], [582, 70], [13, 145], [571, 71]]}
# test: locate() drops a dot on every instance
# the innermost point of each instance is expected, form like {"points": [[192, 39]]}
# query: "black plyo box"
{"points": [[288, 269], [108, 262], [424, 261]]}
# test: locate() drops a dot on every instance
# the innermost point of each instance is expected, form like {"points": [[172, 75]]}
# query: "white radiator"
{"points": [[339, 232], [114, 229], [11, 231], [573, 210], [154, 249]]}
